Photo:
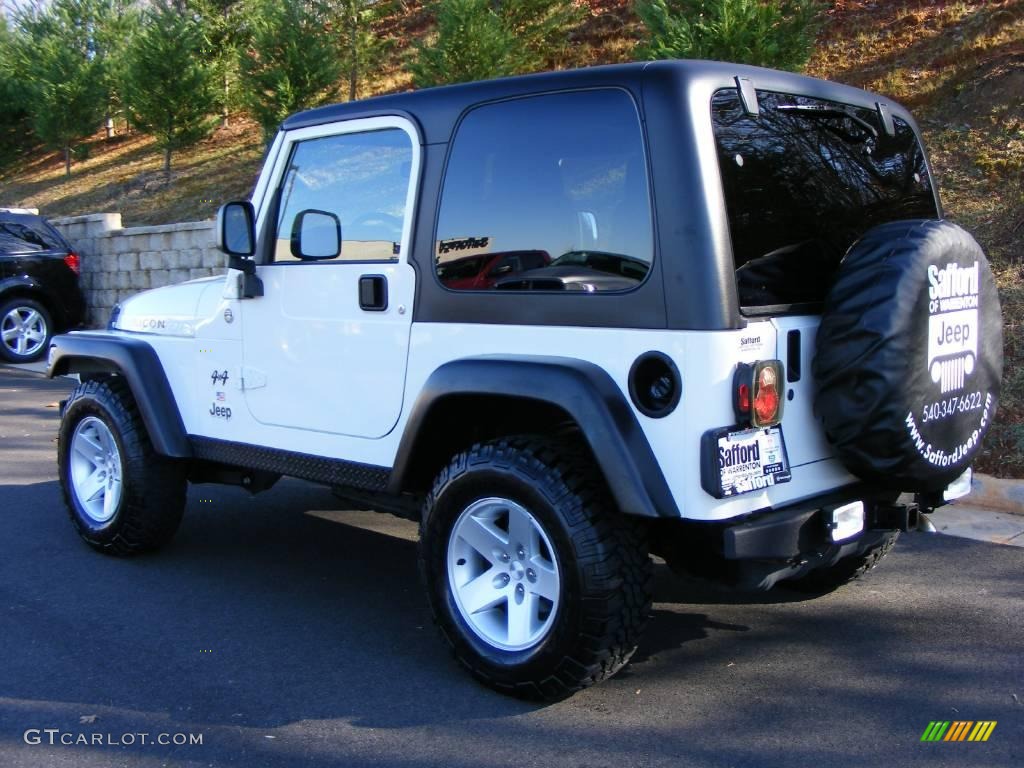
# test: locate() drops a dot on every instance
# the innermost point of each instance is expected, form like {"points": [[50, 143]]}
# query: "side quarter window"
{"points": [[547, 193], [358, 181]]}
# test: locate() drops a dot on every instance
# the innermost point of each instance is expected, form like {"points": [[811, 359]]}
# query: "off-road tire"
{"points": [[12, 356], [829, 578], [153, 487], [606, 570]]}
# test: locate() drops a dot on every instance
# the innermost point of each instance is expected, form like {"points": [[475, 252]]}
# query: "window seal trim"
{"points": [[289, 139]]}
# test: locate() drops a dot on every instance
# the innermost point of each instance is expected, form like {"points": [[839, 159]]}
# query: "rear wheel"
{"points": [[121, 496], [25, 330], [537, 587]]}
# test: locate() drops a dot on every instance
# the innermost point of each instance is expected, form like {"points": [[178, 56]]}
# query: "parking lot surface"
{"points": [[285, 630]]}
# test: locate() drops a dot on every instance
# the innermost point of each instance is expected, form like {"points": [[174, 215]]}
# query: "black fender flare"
{"points": [[22, 282], [138, 362], [582, 390]]}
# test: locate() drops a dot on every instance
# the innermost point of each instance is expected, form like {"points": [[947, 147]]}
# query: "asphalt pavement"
{"points": [[283, 630]]}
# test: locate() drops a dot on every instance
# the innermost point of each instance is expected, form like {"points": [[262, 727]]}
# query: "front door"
{"points": [[325, 347]]}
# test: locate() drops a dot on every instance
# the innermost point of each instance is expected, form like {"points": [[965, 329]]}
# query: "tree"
{"points": [[361, 48], [482, 39], [291, 60], [62, 72], [225, 35], [11, 89], [777, 34], [169, 79], [116, 23]]}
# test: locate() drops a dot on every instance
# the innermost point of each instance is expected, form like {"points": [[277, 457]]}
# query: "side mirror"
{"points": [[316, 235], [236, 234]]}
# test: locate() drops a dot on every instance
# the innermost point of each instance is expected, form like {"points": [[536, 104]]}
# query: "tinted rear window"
{"points": [[546, 193], [27, 234], [803, 180]]}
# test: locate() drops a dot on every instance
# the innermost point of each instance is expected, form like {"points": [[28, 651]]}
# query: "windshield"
{"points": [[803, 180]]}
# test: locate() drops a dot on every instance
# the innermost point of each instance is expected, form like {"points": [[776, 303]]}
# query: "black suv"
{"points": [[39, 292]]}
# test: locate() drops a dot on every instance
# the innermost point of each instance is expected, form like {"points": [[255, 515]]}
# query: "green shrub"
{"points": [[291, 59], [483, 39], [767, 33]]}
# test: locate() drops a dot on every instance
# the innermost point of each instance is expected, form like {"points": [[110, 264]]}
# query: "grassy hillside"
{"points": [[958, 65]]}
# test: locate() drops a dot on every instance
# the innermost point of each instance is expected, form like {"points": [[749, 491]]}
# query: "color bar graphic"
{"points": [[958, 730]]}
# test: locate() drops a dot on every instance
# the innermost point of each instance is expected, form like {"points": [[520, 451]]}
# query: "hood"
{"points": [[168, 311]]}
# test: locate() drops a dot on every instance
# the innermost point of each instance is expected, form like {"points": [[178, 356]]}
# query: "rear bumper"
{"points": [[759, 550], [787, 533], [792, 542]]}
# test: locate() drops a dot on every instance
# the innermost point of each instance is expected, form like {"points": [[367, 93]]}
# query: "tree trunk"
{"points": [[67, 161], [225, 118], [353, 72], [167, 161]]}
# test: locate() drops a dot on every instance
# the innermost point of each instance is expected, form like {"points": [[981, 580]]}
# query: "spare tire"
{"points": [[909, 355]]}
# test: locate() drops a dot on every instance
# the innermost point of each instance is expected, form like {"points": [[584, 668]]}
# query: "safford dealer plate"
{"points": [[736, 461]]}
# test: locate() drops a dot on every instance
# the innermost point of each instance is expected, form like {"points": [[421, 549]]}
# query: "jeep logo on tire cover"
{"points": [[952, 324], [954, 329]]}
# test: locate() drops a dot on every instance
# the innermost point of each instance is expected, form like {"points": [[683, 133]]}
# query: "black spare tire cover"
{"points": [[909, 355]]}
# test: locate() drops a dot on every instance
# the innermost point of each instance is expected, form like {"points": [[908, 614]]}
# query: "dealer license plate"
{"points": [[744, 460]]}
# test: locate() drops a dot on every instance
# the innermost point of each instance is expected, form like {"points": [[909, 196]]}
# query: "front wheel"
{"points": [[539, 589], [121, 496]]}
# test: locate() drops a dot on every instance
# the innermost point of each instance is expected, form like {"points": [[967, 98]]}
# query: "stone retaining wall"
{"points": [[117, 262]]}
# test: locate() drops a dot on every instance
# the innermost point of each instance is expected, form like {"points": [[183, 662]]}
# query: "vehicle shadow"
{"points": [[256, 614]]}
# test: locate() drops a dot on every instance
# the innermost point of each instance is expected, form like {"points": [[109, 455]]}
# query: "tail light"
{"points": [[73, 262], [757, 398]]}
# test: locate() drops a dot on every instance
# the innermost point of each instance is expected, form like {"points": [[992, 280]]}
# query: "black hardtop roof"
{"points": [[437, 109]]}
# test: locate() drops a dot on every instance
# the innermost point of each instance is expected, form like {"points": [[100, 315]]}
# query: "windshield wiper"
{"points": [[807, 110]]}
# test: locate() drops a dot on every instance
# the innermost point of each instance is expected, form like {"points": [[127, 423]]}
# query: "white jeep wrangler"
{"points": [[565, 320]]}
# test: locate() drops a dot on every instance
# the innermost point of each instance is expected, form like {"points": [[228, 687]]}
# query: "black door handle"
{"points": [[373, 293]]}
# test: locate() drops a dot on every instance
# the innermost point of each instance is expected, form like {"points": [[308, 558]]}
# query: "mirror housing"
{"points": [[236, 234], [316, 235]]}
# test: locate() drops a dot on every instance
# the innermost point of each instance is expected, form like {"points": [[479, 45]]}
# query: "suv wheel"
{"points": [[25, 330], [538, 588], [121, 496]]}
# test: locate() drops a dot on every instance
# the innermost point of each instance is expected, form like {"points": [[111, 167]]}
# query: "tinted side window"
{"points": [[804, 180], [547, 193], [28, 235], [362, 178]]}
